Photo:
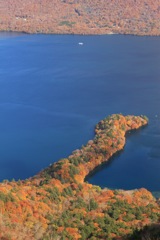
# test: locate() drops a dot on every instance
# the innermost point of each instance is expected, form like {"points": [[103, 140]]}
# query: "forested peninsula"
{"points": [[58, 203], [81, 16]]}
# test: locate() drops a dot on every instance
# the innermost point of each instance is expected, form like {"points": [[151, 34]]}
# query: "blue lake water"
{"points": [[53, 91]]}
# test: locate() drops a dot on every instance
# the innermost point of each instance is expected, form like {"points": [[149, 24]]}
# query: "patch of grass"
{"points": [[66, 23]]}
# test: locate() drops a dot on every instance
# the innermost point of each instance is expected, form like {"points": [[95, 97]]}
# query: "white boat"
{"points": [[80, 43]]}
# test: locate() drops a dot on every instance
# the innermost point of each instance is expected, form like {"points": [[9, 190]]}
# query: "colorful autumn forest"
{"points": [[58, 204], [81, 16]]}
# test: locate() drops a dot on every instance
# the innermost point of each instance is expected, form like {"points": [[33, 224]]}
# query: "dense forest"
{"points": [[59, 204], [81, 16]]}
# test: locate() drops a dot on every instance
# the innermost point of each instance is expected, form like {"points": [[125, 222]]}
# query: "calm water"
{"points": [[53, 92]]}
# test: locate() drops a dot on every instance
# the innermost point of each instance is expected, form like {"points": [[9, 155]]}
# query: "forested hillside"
{"points": [[58, 204], [81, 16]]}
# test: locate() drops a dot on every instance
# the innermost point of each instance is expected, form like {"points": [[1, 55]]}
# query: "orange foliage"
{"points": [[30, 208], [81, 17]]}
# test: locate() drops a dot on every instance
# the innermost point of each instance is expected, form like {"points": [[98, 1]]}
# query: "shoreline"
{"points": [[80, 34], [57, 202], [107, 142]]}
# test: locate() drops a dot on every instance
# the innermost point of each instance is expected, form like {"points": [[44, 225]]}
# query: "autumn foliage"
{"points": [[58, 204], [81, 16]]}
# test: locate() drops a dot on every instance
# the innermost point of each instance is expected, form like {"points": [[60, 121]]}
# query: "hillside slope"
{"points": [[57, 204], [81, 16]]}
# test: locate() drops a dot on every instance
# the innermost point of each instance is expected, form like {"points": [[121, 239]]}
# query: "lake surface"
{"points": [[53, 91]]}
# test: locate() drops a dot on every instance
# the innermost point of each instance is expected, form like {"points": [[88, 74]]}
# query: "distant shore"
{"points": [[81, 17], [87, 33]]}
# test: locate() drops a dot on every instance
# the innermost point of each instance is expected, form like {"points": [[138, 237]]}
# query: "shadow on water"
{"points": [[115, 155], [131, 136], [104, 165]]}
